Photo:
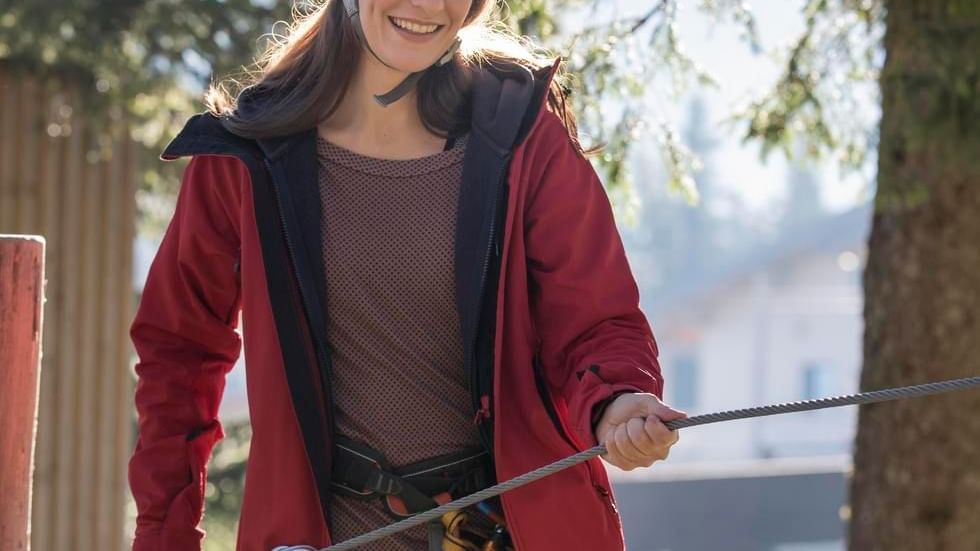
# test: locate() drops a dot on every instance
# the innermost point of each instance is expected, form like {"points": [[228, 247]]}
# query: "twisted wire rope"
{"points": [[705, 419]]}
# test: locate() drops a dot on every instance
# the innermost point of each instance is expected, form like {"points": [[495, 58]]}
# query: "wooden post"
{"points": [[21, 302], [85, 207]]}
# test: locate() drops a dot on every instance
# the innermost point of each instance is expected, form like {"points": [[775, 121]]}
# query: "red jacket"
{"points": [[548, 306]]}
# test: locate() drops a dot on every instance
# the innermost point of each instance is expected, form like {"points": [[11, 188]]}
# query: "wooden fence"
{"points": [[57, 181]]}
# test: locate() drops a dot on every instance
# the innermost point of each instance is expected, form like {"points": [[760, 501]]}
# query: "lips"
{"points": [[413, 27]]}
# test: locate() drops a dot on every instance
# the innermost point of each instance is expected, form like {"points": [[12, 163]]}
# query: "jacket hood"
{"points": [[503, 95]]}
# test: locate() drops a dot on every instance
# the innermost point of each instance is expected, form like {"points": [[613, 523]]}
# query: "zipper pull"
{"points": [[484, 411]]}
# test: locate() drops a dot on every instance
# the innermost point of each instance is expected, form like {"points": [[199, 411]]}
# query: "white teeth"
{"points": [[414, 27]]}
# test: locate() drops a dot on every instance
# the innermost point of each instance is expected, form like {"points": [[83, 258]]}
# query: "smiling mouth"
{"points": [[413, 27]]}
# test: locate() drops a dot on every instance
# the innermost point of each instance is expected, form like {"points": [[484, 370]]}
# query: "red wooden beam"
{"points": [[21, 303]]}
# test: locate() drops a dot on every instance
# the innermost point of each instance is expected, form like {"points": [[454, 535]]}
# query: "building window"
{"points": [[685, 382], [816, 381]]}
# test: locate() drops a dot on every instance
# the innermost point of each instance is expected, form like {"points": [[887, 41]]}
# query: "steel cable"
{"points": [[759, 411]]}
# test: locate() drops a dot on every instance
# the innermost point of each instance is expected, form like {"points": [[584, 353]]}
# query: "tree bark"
{"points": [[916, 480]]}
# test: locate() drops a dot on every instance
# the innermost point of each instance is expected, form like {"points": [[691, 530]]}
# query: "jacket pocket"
{"points": [[549, 406]]}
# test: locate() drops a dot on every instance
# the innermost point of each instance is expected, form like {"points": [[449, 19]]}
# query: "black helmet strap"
{"points": [[353, 13]]}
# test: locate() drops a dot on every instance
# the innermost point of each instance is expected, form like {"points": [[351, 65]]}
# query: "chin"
{"points": [[407, 63]]}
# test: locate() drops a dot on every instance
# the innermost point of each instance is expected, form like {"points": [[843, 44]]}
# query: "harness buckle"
{"points": [[362, 472]]}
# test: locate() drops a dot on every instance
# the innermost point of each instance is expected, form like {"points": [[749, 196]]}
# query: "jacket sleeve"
{"points": [[594, 340], [184, 335]]}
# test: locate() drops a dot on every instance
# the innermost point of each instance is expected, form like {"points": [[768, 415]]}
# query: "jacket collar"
{"points": [[506, 105], [499, 90]]}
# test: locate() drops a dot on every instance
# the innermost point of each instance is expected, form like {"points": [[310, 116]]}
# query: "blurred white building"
{"points": [[782, 324]]}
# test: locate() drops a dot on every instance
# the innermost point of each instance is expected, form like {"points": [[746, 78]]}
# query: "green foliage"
{"points": [[814, 101], [132, 53], [147, 61], [612, 65], [142, 61], [621, 61]]}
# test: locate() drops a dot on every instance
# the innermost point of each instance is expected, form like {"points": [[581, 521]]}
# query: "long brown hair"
{"points": [[305, 74]]}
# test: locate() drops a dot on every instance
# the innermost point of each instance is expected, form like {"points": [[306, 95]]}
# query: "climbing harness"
{"points": [[362, 472], [353, 13], [731, 415]]}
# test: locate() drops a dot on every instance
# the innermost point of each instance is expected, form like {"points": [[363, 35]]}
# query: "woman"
{"points": [[429, 278]]}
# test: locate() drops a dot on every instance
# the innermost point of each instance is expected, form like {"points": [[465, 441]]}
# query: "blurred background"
{"points": [[742, 157]]}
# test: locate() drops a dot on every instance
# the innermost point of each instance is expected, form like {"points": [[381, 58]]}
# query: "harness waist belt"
{"points": [[363, 472]]}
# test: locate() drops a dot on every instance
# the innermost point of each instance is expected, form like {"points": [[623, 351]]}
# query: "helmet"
{"points": [[350, 6]]}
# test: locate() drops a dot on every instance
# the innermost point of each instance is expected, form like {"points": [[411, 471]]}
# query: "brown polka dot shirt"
{"points": [[398, 379]]}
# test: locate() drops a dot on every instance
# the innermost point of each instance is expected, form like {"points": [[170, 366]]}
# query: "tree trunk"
{"points": [[916, 481]]}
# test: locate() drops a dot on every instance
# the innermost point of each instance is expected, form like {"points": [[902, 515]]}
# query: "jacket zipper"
{"points": [[482, 402], [318, 353]]}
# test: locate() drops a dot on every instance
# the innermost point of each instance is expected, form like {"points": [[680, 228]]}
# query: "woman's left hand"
{"points": [[632, 429]]}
